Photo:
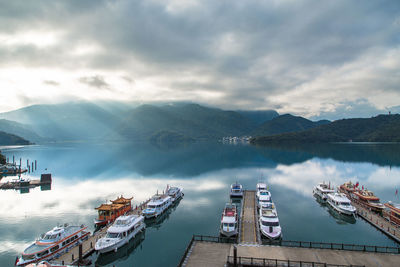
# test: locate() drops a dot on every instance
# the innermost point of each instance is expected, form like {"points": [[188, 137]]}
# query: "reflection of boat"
{"points": [[269, 223], [368, 199], [123, 229], [392, 212], [341, 203], [123, 252], [340, 218], [174, 192], [236, 190], [323, 189], [229, 220], [53, 244], [156, 206], [109, 212], [156, 222]]}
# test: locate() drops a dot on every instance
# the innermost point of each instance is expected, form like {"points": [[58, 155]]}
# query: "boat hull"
{"points": [[271, 235], [341, 211], [228, 233]]}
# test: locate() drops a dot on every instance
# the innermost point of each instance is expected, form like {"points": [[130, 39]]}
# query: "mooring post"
{"points": [[80, 252], [27, 163], [32, 166], [13, 159], [29, 168], [234, 256], [35, 164], [20, 163]]}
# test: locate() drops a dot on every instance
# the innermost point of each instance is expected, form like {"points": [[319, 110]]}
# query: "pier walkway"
{"points": [[248, 233], [214, 251]]}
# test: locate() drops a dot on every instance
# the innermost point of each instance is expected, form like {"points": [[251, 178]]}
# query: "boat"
{"points": [[340, 203], [391, 212], [174, 192], [107, 213], [263, 198], [53, 244], [261, 186], [368, 199], [323, 189], [236, 190], [348, 188], [11, 169], [120, 232], [269, 223], [156, 206], [229, 220]]}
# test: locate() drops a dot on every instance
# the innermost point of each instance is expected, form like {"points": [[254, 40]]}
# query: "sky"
{"points": [[318, 59]]}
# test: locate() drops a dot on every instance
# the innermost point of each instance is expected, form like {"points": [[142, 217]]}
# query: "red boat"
{"points": [[109, 212], [368, 199], [348, 188], [392, 212]]}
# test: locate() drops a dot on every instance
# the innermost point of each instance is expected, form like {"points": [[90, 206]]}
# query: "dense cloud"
{"points": [[304, 57]]}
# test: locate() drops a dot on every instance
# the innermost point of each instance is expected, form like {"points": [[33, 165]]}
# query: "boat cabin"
{"points": [[392, 212], [118, 207]]}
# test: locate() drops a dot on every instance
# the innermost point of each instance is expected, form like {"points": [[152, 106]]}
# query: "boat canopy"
{"points": [[122, 200], [110, 207]]}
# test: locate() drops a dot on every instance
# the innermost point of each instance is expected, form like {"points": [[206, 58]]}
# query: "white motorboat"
{"points": [[156, 206], [261, 186], [340, 203], [236, 190], [322, 190], [269, 223], [174, 192], [123, 229], [229, 220], [53, 244], [263, 198]]}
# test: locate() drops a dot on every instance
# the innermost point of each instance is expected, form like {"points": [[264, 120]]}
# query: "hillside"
{"points": [[190, 120], [259, 116], [382, 128], [19, 129], [7, 139], [285, 124]]}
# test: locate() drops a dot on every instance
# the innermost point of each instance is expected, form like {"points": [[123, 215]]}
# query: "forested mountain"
{"points": [[19, 129], [7, 139]]}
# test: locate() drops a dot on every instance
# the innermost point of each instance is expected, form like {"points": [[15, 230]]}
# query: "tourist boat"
{"points": [[263, 198], [392, 212], [156, 206], [229, 220], [323, 189], [174, 192], [123, 229], [368, 199], [261, 186], [109, 212], [53, 244], [340, 203], [269, 223], [348, 188], [236, 190]]}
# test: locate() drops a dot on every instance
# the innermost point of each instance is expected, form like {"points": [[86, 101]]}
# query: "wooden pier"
{"points": [[72, 256], [249, 233], [376, 220], [45, 179]]}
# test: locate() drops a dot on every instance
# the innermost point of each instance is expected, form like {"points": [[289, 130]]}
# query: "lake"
{"points": [[86, 175]]}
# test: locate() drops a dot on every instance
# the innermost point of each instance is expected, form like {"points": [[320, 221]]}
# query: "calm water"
{"points": [[86, 175]]}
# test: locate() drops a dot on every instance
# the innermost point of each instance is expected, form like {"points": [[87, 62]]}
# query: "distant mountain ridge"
{"points": [[21, 130], [382, 128], [7, 139]]}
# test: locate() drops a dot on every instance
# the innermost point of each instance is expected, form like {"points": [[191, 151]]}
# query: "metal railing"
{"points": [[248, 261]]}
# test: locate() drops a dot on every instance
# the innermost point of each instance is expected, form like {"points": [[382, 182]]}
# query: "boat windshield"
{"points": [[113, 235], [121, 222], [345, 203], [49, 237], [374, 201], [229, 224], [151, 206], [270, 223], [264, 193], [264, 201]]}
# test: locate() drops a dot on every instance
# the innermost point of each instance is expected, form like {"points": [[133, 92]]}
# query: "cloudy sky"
{"points": [[328, 59]]}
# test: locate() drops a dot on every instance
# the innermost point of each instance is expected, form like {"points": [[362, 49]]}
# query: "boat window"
{"points": [[28, 257], [112, 235], [270, 223], [54, 248], [151, 207], [345, 204], [41, 254]]}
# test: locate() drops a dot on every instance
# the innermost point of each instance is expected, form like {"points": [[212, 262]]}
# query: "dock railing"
{"points": [[247, 261]]}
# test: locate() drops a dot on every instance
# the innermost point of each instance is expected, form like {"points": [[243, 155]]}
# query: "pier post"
{"points": [[32, 166], [29, 168], [20, 163], [80, 252], [35, 164], [13, 159], [234, 256], [27, 163], [72, 257]]}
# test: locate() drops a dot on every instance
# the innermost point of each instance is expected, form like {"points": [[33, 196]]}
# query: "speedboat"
{"points": [[269, 223], [53, 244], [174, 192], [261, 186], [156, 206], [323, 189], [123, 229], [236, 190], [229, 220], [340, 203], [263, 198]]}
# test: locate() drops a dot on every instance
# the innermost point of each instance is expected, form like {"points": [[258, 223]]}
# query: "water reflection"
{"points": [[86, 175], [339, 218]]}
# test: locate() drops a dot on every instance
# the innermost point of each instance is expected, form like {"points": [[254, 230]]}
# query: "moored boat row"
{"points": [[268, 216]]}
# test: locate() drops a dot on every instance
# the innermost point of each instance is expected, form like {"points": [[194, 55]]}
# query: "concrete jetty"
{"points": [[248, 233]]}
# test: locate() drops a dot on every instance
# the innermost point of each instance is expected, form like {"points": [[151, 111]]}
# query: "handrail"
{"points": [[306, 244], [249, 261]]}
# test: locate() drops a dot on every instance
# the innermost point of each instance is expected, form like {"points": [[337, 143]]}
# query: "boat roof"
{"points": [[264, 192], [339, 197], [228, 219], [110, 207], [264, 197], [269, 219], [157, 199], [122, 200], [270, 213], [261, 185], [393, 205], [173, 190], [124, 222]]}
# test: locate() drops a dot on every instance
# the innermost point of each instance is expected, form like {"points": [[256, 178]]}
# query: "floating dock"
{"points": [[390, 229], [220, 251]]}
